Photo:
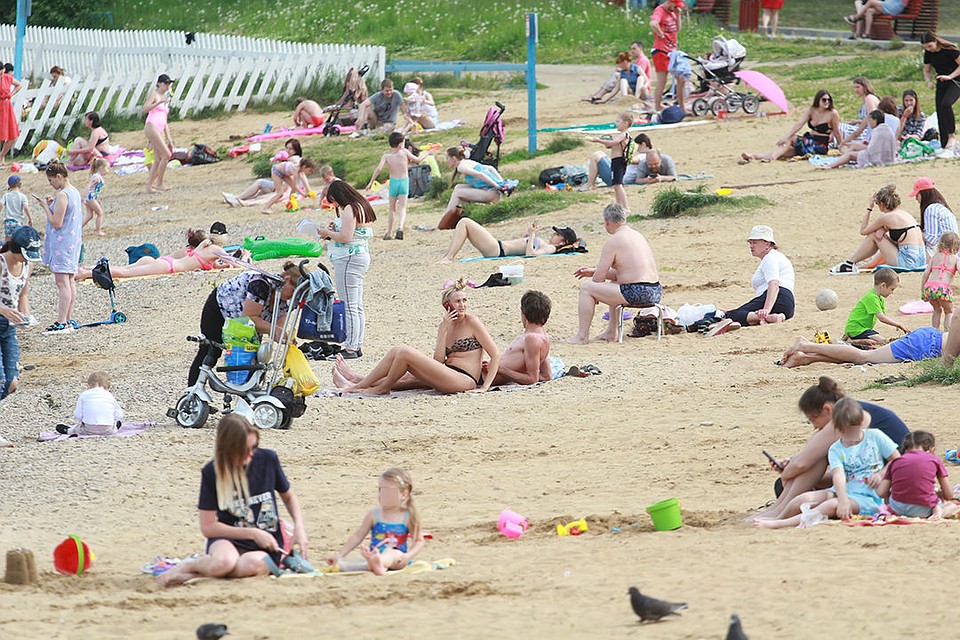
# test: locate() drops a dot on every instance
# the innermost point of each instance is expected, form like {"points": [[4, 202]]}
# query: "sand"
{"points": [[685, 417]]}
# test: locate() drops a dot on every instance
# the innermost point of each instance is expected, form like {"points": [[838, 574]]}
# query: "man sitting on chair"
{"points": [[625, 274]]}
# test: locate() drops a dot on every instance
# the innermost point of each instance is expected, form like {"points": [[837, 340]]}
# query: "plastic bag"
{"points": [[240, 332], [296, 367]]}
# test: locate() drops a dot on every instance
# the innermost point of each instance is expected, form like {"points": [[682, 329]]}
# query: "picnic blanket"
{"points": [[126, 430]]}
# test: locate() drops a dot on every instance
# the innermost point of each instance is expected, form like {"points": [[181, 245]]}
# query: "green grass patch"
{"points": [[926, 371], [557, 144], [526, 203], [673, 202]]}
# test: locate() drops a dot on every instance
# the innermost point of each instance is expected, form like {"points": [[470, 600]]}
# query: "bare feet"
{"points": [[265, 212], [344, 370], [152, 190], [746, 156], [339, 381], [761, 523], [797, 346], [82, 273], [605, 337], [445, 260], [578, 340], [173, 578], [374, 562], [101, 234]]}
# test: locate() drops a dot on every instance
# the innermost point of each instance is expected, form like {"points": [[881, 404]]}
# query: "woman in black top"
{"points": [[942, 56]]}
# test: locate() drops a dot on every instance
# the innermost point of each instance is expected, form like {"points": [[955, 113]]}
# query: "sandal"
{"points": [[590, 369]]}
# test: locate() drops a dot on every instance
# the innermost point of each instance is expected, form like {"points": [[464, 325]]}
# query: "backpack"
{"points": [[552, 176], [134, 253], [202, 154], [672, 114], [419, 175], [574, 175]]}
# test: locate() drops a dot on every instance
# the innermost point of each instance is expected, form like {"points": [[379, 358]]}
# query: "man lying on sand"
{"points": [[922, 343], [525, 360]]}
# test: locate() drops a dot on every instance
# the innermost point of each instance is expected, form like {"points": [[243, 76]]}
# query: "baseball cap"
{"points": [[29, 242], [569, 235], [218, 229], [13, 181], [762, 232], [679, 4], [165, 79], [922, 184]]}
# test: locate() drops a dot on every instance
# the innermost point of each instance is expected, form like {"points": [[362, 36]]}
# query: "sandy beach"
{"points": [[685, 417]]}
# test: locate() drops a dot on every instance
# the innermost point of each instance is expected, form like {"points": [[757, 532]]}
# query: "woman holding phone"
{"points": [[456, 365]]}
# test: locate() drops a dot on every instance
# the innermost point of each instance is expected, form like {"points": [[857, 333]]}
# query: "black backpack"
{"points": [[202, 154], [419, 175], [553, 175]]}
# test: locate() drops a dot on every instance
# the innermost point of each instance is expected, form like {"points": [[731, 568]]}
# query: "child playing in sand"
{"points": [[397, 162], [392, 527], [910, 481], [290, 176], [525, 360], [98, 413], [856, 465], [98, 169], [938, 291], [619, 146], [16, 212], [871, 308]]}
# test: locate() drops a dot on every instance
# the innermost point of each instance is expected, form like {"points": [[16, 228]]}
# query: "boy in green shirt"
{"points": [[859, 330]]}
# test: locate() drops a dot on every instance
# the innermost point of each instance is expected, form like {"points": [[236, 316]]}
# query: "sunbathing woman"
{"points": [[206, 257], [824, 123], [490, 247], [483, 183], [454, 368]]}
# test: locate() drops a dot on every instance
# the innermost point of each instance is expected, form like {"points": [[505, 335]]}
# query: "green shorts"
{"points": [[399, 187]]}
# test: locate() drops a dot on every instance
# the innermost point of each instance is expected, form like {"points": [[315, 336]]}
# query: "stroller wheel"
{"points": [[119, 317], [734, 101], [750, 103], [719, 106], [700, 107], [268, 416], [191, 412]]}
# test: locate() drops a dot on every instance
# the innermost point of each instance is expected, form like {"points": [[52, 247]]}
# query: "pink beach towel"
{"points": [[126, 430]]}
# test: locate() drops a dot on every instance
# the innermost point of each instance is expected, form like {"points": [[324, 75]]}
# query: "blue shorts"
{"points": [[919, 344], [893, 7], [9, 226], [605, 170], [399, 187], [911, 257], [869, 503], [910, 510]]}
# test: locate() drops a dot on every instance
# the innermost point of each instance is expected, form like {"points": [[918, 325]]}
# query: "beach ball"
{"points": [[72, 556], [826, 299]]}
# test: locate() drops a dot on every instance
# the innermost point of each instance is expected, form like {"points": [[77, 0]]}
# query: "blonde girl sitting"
{"points": [[394, 528], [938, 291]]}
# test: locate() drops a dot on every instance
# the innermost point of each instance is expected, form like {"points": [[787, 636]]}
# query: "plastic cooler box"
{"points": [[239, 356], [338, 325]]}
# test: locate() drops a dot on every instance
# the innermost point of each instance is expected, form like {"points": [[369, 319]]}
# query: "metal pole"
{"points": [[532, 39], [23, 11]]}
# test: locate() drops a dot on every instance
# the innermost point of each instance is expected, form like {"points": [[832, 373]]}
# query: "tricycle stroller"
{"points": [[491, 131], [273, 406], [102, 278]]}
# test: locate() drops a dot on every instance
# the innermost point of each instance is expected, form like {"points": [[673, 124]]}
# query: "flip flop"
{"points": [[590, 369]]}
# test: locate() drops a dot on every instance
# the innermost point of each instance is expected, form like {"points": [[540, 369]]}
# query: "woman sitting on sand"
{"points": [[239, 514], [773, 283], [805, 471], [919, 344], [206, 257], [483, 183], [824, 123], [894, 233], [456, 364], [936, 217], [490, 247], [82, 152]]}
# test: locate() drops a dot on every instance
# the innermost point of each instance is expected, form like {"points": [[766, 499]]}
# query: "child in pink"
{"points": [[910, 481]]}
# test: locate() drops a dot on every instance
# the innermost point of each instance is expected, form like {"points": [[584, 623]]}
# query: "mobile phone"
{"points": [[448, 306], [773, 461], [38, 198]]}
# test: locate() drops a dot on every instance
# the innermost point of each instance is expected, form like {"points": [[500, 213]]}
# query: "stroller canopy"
{"points": [[728, 52]]}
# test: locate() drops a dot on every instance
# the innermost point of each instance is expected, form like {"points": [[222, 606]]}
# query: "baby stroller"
{"points": [[491, 131], [100, 274], [354, 92], [717, 80]]}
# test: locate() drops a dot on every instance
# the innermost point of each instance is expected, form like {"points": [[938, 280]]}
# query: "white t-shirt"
{"points": [[98, 406], [774, 266]]}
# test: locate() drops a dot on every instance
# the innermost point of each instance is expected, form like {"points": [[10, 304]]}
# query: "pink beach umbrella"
{"points": [[765, 87]]}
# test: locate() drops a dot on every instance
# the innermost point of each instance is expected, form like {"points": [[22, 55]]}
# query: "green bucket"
{"points": [[666, 515]]}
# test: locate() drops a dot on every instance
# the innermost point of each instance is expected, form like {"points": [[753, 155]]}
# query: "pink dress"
{"points": [[9, 127]]}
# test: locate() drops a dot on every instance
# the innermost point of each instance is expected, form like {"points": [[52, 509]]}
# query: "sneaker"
{"points": [[845, 268], [62, 429], [721, 327], [398, 235], [59, 327]]}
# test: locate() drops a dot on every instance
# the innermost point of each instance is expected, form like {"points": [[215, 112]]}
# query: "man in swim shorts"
{"points": [[919, 344], [307, 113], [625, 274]]}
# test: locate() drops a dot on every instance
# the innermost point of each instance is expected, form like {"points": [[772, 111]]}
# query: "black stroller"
{"points": [[354, 92], [491, 132], [102, 278]]}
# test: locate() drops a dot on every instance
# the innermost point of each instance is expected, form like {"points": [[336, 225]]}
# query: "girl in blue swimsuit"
{"points": [[394, 528]]}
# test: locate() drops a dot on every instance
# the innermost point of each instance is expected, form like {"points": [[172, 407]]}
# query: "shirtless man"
{"points": [[307, 113], [525, 360], [625, 274]]}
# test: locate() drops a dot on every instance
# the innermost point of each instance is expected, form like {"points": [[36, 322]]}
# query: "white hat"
{"points": [[410, 87], [762, 232]]}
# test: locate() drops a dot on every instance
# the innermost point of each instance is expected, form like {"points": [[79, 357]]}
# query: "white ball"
{"points": [[826, 299]]}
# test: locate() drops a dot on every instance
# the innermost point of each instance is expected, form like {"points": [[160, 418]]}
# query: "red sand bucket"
{"points": [[72, 556]]}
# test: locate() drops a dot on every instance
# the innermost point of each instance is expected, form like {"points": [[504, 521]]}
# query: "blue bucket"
{"points": [[238, 356]]}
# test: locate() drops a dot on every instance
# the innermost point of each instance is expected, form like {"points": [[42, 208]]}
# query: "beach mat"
{"points": [[611, 126], [544, 255], [126, 430], [419, 566], [411, 393]]}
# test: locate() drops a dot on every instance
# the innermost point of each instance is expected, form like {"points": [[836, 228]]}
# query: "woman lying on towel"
{"points": [[490, 247], [454, 368], [206, 257]]}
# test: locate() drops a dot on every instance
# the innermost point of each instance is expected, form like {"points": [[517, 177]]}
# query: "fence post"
{"points": [[532, 39]]}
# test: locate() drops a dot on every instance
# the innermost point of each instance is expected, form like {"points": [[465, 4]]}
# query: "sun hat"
{"points": [[410, 87], [28, 239], [922, 184], [679, 4], [762, 232], [569, 235]]}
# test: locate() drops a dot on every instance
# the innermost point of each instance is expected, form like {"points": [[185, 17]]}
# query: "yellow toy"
{"points": [[292, 204], [312, 194], [573, 528]]}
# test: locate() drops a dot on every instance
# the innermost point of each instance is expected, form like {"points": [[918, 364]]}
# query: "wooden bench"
{"points": [[919, 16], [719, 8]]}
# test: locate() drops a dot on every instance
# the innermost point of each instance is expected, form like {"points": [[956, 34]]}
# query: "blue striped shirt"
{"points": [[937, 220]]}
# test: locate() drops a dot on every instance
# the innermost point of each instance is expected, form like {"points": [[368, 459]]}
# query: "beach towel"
{"points": [[610, 126], [294, 133], [418, 566], [545, 255], [410, 393], [126, 430]]}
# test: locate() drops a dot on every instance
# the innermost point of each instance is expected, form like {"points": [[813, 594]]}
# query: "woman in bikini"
{"points": [[205, 257], [894, 233], [157, 107], [82, 151], [456, 364], [490, 247], [821, 118]]}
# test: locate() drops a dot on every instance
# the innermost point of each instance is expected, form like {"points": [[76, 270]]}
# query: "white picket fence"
{"points": [[113, 71]]}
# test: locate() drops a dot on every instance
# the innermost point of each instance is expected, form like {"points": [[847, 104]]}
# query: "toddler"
{"points": [[290, 177], [394, 528], [620, 153], [938, 290], [910, 480], [871, 308], [97, 413], [16, 212], [98, 169]]}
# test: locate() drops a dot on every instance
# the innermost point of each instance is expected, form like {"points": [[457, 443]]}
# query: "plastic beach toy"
{"points": [[666, 515], [574, 528], [512, 524], [723, 191], [72, 556]]}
